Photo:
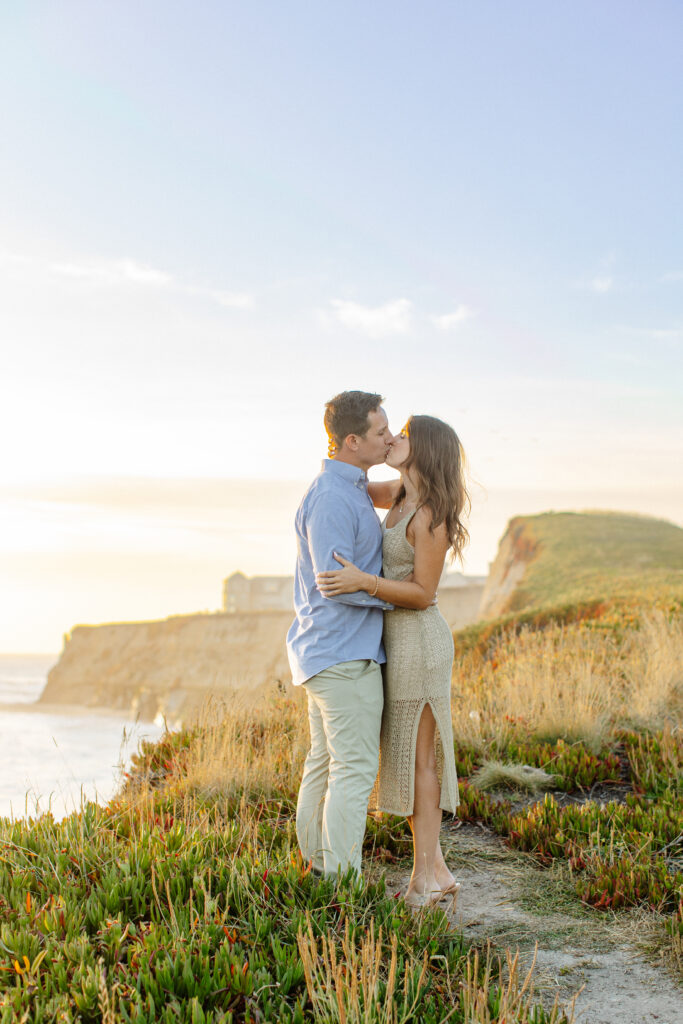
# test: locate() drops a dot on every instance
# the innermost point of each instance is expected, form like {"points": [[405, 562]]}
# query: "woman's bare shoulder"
{"points": [[422, 524]]}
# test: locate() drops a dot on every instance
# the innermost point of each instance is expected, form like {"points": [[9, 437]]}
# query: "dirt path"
{"points": [[504, 897]]}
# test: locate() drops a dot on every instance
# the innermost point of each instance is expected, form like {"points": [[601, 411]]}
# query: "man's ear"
{"points": [[351, 442]]}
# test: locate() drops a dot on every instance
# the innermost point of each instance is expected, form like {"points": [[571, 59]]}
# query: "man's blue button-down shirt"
{"points": [[336, 515]]}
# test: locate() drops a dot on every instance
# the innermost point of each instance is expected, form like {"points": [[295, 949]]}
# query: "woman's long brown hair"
{"points": [[438, 463]]}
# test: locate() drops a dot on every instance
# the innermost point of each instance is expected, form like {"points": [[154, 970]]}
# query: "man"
{"points": [[335, 643]]}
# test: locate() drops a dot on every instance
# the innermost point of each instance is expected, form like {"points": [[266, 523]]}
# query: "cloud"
{"points": [[375, 321], [129, 272], [114, 273], [451, 321], [673, 275], [142, 274], [603, 279], [601, 284], [229, 300]]}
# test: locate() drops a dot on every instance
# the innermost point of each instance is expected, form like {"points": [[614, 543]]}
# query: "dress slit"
{"points": [[445, 804]]}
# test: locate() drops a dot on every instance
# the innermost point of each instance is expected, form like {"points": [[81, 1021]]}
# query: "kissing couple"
{"points": [[365, 597]]}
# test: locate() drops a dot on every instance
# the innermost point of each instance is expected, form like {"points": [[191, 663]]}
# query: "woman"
{"points": [[417, 776]]}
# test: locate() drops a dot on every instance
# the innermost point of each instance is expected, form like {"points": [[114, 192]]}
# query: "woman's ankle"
{"points": [[422, 884], [444, 876]]}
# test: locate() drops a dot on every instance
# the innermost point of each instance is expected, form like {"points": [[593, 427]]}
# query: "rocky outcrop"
{"points": [[171, 667], [516, 550]]}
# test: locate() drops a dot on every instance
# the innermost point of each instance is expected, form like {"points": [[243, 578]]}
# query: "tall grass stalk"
{"points": [[255, 751], [351, 983], [513, 999], [570, 682], [653, 671]]}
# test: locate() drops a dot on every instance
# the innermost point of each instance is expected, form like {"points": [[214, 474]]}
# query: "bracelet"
{"points": [[376, 586]]}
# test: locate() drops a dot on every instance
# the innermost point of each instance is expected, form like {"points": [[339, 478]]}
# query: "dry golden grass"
{"points": [[246, 750], [563, 681], [516, 995], [344, 981], [571, 681], [653, 670], [351, 982]]}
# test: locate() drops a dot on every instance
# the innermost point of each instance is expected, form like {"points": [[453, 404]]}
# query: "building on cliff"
{"points": [[258, 593], [458, 579], [459, 595]]}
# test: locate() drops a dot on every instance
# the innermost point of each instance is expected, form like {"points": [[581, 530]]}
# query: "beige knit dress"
{"points": [[419, 649]]}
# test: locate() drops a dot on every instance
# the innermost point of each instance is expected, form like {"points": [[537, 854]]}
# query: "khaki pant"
{"points": [[344, 712]]}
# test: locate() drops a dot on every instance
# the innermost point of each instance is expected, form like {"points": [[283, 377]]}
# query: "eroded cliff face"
{"points": [[171, 667], [516, 549]]}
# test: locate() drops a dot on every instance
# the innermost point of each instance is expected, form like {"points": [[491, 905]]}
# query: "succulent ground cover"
{"points": [[186, 900], [621, 853], [599, 705], [165, 909]]}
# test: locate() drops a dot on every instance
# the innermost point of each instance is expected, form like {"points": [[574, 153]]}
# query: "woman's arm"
{"points": [[383, 492], [329, 530], [418, 592]]}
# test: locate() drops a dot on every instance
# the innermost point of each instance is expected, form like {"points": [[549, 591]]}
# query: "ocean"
{"points": [[53, 761]]}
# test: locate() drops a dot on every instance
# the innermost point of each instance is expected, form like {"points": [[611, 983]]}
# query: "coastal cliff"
{"points": [[561, 558], [517, 548], [170, 667]]}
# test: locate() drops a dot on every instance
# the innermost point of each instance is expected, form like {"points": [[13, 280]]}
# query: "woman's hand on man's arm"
{"points": [[417, 591], [347, 580]]}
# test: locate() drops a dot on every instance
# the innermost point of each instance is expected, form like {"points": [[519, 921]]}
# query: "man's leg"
{"points": [[311, 802], [350, 699]]}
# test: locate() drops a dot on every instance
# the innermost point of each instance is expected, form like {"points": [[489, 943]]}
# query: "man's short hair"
{"points": [[347, 413]]}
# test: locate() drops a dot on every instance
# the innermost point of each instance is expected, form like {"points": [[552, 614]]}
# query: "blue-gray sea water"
{"points": [[53, 761]]}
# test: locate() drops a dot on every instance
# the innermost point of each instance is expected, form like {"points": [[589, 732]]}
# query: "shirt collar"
{"points": [[351, 473]]}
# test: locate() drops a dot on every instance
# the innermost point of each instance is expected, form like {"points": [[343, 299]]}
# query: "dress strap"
{"points": [[408, 519]]}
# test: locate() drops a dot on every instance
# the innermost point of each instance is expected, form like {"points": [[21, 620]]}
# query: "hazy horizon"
{"points": [[132, 550]]}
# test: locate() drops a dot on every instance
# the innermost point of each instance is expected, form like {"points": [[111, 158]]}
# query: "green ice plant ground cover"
{"points": [[621, 853], [149, 911], [185, 899], [171, 907], [175, 908]]}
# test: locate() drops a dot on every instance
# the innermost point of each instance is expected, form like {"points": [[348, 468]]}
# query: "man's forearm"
{"points": [[360, 599]]}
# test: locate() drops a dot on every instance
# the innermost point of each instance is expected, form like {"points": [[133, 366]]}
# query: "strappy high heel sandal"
{"points": [[450, 893], [417, 900], [420, 900]]}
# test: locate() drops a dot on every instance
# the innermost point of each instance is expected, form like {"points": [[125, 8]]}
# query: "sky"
{"points": [[214, 217]]}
